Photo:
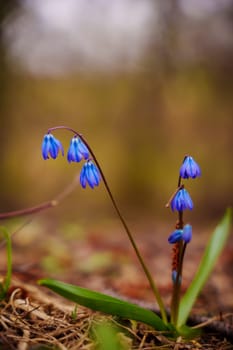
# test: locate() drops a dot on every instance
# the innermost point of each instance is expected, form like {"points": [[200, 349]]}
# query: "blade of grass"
{"points": [[212, 251], [104, 303], [6, 284]]}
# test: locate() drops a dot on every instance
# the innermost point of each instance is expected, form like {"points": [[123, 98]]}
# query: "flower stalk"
{"points": [[181, 201], [127, 230]]}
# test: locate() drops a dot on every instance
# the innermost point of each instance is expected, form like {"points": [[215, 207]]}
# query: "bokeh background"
{"points": [[145, 81]]}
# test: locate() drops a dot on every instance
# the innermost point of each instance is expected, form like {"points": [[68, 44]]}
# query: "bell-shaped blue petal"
{"points": [[175, 236], [77, 150], [90, 175], [181, 201], [189, 168], [51, 146], [187, 233]]}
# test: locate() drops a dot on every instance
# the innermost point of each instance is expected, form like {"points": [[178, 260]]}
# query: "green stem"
{"points": [[7, 281], [127, 230]]}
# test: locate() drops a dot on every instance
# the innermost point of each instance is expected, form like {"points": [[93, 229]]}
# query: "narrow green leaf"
{"points": [[104, 303], [6, 284], [212, 251]]}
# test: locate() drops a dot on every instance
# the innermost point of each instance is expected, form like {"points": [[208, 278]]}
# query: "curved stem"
{"points": [[127, 230]]}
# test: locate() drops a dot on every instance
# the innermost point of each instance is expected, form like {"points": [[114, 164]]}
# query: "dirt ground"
{"points": [[102, 259]]}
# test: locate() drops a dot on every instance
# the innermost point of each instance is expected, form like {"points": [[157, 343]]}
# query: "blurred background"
{"points": [[145, 81]]}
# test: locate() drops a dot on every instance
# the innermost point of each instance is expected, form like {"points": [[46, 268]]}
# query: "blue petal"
{"points": [[59, 146], [45, 147], [187, 233], [83, 149], [89, 176], [188, 203], [54, 149], [175, 236], [70, 153], [77, 156], [83, 180], [92, 175], [96, 174]]}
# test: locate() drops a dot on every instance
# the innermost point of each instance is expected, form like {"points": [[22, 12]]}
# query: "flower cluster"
{"points": [[77, 151], [181, 200]]}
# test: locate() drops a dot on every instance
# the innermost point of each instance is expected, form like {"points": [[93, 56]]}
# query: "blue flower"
{"points": [[181, 201], [77, 150], [187, 233], [90, 174], [175, 236], [51, 146], [189, 168]]}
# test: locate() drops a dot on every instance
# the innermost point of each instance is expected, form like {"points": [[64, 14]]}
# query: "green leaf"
{"points": [[107, 337], [104, 303], [189, 333], [212, 251]]}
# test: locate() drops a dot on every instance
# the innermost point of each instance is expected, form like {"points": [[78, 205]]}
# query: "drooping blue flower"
{"points": [[189, 168], [187, 233], [175, 236], [90, 175], [77, 150], [181, 201], [51, 146]]}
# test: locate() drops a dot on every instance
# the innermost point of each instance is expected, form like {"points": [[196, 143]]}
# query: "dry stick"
{"points": [[43, 206], [36, 209], [28, 211]]}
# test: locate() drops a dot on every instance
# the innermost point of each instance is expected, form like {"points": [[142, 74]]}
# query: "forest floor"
{"points": [[33, 318]]}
